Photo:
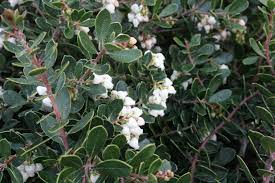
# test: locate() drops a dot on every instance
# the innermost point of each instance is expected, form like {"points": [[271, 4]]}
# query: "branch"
{"points": [[267, 43], [95, 61], [215, 131], [268, 167], [37, 62]]}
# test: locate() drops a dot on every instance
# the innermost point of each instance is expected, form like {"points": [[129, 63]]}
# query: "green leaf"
{"points": [[111, 152], [195, 40], [150, 2], [225, 156], [63, 101], [154, 166], [13, 48], [185, 178], [47, 124], [255, 47], [96, 140], [268, 143], [246, 170], [250, 60], [237, 6], [102, 24], [38, 40], [50, 54], [64, 174], [114, 168], [220, 96], [126, 56], [143, 155], [13, 98], [169, 10], [15, 175], [71, 161], [114, 108], [264, 115], [5, 149], [82, 122], [37, 71], [86, 44], [99, 69]]}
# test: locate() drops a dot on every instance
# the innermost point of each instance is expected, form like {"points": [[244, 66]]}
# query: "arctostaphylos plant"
{"points": [[120, 91]]}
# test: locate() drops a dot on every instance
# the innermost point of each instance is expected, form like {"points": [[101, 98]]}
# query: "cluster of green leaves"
{"points": [[51, 30]]}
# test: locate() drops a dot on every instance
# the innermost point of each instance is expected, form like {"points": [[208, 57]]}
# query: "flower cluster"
{"points": [[147, 41], [46, 102], [165, 175], [110, 5], [176, 74], [162, 89], [130, 118], [105, 80], [160, 95], [29, 170], [157, 60], [138, 14], [207, 23]]}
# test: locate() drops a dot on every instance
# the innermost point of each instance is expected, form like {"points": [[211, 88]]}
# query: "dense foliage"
{"points": [[137, 91]]}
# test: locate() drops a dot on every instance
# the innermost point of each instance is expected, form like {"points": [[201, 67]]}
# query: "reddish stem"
{"points": [[267, 43], [268, 167], [215, 131], [37, 62]]}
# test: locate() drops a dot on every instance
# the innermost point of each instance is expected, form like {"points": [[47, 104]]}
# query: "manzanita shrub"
{"points": [[137, 91]]}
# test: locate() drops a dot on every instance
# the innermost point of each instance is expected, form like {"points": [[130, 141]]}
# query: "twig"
{"points": [[267, 43], [7, 162], [37, 62], [268, 167], [215, 131], [87, 168], [95, 61]]}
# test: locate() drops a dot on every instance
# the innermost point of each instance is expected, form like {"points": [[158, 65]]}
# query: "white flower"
{"points": [[148, 41], [175, 75], [1, 92], [132, 41], [111, 8], [132, 123], [137, 112], [25, 176], [224, 66], [217, 47], [158, 60], [41, 90], [242, 22], [38, 167], [207, 28], [128, 101], [155, 99], [134, 143], [186, 83], [140, 121], [108, 84], [137, 131], [119, 94], [135, 15], [93, 177], [84, 29], [13, 3], [214, 137], [30, 170], [211, 20], [171, 90], [105, 80], [47, 102], [167, 82], [125, 111], [136, 8], [125, 130], [156, 113]]}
